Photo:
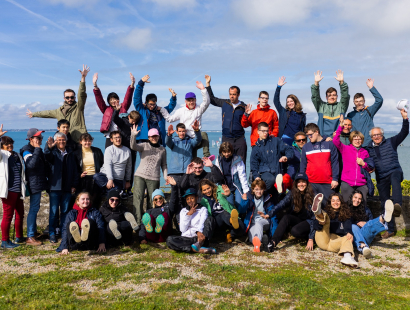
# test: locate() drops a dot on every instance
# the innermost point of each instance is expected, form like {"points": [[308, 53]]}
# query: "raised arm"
{"points": [[98, 96], [172, 102], [336, 139], [133, 141], [138, 104], [82, 95], [198, 137], [246, 120], [399, 138], [128, 96], [205, 98], [344, 91], [214, 100], [377, 97], [171, 118], [276, 98], [43, 114], [316, 100]]}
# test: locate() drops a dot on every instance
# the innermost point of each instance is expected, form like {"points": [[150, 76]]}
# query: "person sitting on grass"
{"points": [[225, 215], [195, 229], [364, 226], [334, 227], [157, 224], [257, 207], [84, 227], [119, 222], [299, 216]]}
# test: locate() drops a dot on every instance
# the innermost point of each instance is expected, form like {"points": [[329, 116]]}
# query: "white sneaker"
{"points": [[366, 252], [388, 210], [349, 261], [279, 181]]}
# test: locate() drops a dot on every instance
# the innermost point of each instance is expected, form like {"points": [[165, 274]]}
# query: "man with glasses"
{"points": [[71, 110], [320, 162], [362, 116], [36, 176], [262, 113], [297, 145], [388, 170]]}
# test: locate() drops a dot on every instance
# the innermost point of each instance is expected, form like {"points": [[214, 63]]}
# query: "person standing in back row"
{"points": [[232, 112]]}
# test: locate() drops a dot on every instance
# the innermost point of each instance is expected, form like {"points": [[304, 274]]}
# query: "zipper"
{"points": [[355, 180]]}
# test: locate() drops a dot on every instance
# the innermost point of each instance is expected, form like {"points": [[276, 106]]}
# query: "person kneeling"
{"points": [[84, 227], [158, 215], [119, 222], [196, 227], [334, 227]]}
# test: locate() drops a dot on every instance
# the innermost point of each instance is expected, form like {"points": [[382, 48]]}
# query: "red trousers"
{"points": [[12, 204]]}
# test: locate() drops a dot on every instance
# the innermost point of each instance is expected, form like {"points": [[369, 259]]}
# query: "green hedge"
{"points": [[405, 188]]}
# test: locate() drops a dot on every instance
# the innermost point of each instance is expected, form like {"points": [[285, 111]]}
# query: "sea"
{"points": [[215, 139]]}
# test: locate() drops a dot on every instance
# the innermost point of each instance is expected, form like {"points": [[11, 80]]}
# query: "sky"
{"points": [[245, 43]]}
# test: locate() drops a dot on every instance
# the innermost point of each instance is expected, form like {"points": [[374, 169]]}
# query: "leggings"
{"points": [[299, 228], [12, 205]]}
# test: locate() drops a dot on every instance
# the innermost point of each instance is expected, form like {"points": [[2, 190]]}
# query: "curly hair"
{"points": [[302, 199], [344, 211], [211, 184], [359, 212]]}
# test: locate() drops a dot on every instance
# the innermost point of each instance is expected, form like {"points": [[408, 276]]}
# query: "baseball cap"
{"points": [[33, 132], [301, 176], [190, 95], [153, 132]]}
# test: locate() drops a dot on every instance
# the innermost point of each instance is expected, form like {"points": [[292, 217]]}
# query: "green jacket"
{"points": [[329, 114], [221, 199], [75, 115]]}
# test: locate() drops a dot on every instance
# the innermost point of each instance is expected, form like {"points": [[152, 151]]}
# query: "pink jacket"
{"points": [[351, 173], [108, 111]]}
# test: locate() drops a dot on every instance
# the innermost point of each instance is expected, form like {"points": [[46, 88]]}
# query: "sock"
{"points": [[347, 255]]}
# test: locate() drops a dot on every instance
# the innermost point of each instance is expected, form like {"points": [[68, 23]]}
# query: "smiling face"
{"points": [[312, 135], [191, 200], [359, 103], [116, 140], [258, 192], [227, 155], [153, 139], [61, 143], [198, 168], [181, 132], [158, 200], [347, 125], [114, 102], [233, 95], [357, 199], [335, 202], [357, 141], [377, 135], [191, 103], [64, 128], [7, 147], [151, 105], [114, 201], [301, 185], [331, 97], [86, 143], [206, 190], [263, 100], [83, 201], [290, 103], [301, 140]]}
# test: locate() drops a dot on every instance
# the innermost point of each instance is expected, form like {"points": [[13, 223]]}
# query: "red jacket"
{"points": [[108, 111], [257, 116]]}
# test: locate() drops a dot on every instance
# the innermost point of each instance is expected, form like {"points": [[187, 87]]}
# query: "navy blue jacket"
{"points": [[231, 118], [293, 164], [92, 214], [336, 227], [37, 168], [266, 154], [385, 156]]}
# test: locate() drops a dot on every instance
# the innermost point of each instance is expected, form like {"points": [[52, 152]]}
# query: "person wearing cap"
{"points": [[12, 191], [388, 170], [37, 170], [362, 116], [71, 110], [107, 124], [232, 113], [147, 176], [157, 221], [196, 231], [299, 216], [189, 114], [119, 222], [151, 117]]}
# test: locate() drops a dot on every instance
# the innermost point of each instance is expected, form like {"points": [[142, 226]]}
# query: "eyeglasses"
{"points": [[377, 135], [158, 199], [264, 131], [359, 139], [301, 140], [114, 200], [69, 97], [310, 135]]}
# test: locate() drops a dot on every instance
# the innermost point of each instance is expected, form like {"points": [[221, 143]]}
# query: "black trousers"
{"points": [[125, 229], [239, 146], [87, 184], [299, 228], [325, 189], [175, 202], [90, 244], [222, 220]]}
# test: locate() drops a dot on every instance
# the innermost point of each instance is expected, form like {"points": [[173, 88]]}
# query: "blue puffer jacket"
{"points": [[266, 154], [143, 124], [181, 152], [385, 156], [92, 214], [37, 168], [363, 120]]}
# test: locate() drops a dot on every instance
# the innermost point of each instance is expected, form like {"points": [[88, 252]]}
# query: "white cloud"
{"points": [[137, 39], [175, 4]]}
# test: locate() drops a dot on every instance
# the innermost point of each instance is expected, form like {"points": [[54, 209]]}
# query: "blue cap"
{"points": [[190, 191], [190, 95], [156, 193], [301, 176]]}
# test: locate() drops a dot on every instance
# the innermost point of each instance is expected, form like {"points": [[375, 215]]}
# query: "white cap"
{"points": [[403, 104]]}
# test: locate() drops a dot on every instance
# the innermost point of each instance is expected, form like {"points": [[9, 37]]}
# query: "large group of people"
{"points": [[309, 180]]}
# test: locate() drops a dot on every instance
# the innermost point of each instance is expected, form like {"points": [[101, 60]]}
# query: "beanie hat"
{"points": [[156, 193]]}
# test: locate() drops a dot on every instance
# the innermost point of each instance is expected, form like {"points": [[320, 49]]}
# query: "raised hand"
{"points": [[403, 113], [95, 79], [29, 113], [207, 162], [170, 130], [248, 109], [132, 80], [36, 142], [339, 76], [135, 130], [207, 80], [200, 85], [171, 180], [51, 143], [190, 168], [370, 83], [318, 77], [195, 125], [226, 190], [145, 79], [84, 72], [282, 79], [341, 120], [174, 94], [1, 130], [192, 210]]}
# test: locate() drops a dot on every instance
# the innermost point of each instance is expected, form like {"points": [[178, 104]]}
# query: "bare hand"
{"points": [[174, 94], [208, 80], [361, 224], [248, 109], [318, 77], [110, 184], [127, 185], [192, 210], [370, 83], [281, 81], [170, 130], [132, 80], [64, 252], [207, 162], [1, 130], [334, 184], [309, 245], [145, 79], [83, 174], [201, 237], [95, 79], [135, 130], [226, 190], [349, 236], [339, 76], [283, 159], [171, 180], [195, 125], [403, 113], [29, 113], [50, 142], [72, 190], [101, 248], [84, 72], [36, 142], [341, 120], [117, 106], [360, 161], [265, 216], [190, 168], [328, 139], [245, 196], [200, 85]]}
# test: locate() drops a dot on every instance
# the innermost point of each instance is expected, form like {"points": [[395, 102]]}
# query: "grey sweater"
{"points": [[117, 163], [152, 158]]}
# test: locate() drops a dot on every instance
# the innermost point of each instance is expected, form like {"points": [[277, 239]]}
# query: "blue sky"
{"points": [[245, 43]]}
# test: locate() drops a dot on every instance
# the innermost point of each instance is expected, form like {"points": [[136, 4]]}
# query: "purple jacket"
{"points": [[351, 173]]}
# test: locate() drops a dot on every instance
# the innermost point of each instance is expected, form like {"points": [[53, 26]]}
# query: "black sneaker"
{"points": [[265, 242], [397, 210], [129, 193], [53, 239], [270, 246], [123, 195]]}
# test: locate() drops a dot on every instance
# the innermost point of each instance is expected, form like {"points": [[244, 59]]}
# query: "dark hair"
{"points": [[237, 89], [181, 125], [197, 160], [113, 133], [302, 199], [344, 211], [359, 212], [298, 105], [313, 127], [112, 95], [263, 93], [211, 184], [151, 97], [299, 133], [5, 140], [330, 90], [358, 95], [135, 115], [225, 147], [86, 136], [262, 124], [260, 183], [69, 90], [63, 122]]}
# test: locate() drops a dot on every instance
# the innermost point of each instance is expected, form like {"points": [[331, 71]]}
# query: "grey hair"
{"points": [[59, 135], [381, 129]]}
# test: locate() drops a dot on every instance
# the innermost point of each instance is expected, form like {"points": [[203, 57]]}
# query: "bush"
{"points": [[405, 188]]}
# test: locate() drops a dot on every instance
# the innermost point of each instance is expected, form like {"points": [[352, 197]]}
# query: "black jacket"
{"points": [[116, 214], [124, 127], [192, 180], [98, 158], [336, 227], [154, 212], [37, 168]]}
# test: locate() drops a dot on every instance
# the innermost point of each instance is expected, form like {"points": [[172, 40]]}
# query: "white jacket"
{"points": [[190, 224], [4, 174], [238, 173], [187, 116]]}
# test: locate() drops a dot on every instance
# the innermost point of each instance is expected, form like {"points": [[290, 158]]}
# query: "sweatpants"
{"points": [[140, 184], [239, 146], [12, 205], [299, 228], [124, 227], [175, 201], [257, 228], [347, 190], [332, 242], [90, 244], [163, 235], [325, 189], [222, 220], [204, 144]]}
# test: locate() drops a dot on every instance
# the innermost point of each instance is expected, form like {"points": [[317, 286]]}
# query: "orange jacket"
{"points": [[257, 116]]}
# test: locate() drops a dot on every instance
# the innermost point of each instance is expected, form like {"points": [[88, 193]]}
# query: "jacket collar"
{"points": [[267, 107], [263, 142]]}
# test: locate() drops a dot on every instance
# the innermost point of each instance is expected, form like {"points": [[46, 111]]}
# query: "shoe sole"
{"points": [[279, 181], [85, 229], [388, 210], [205, 250], [234, 219], [160, 220], [75, 232], [351, 265], [146, 220], [114, 229], [131, 219], [256, 244], [397, 210], [367, 253], [316, 203]]}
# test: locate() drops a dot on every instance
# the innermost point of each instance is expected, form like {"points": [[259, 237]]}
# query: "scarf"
{"points": [[297, 146], [66, 107], [82, 213]]}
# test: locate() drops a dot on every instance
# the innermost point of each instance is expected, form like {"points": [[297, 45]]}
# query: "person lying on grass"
{"points": [[84, 227]]}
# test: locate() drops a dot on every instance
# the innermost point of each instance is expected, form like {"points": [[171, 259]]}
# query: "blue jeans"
{"points": [[235, 198], [32, 214], [58, 199], [367, 233]]}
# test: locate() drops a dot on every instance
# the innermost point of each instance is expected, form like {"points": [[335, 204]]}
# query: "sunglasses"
{"points": [[301, 140], [158, 199], [69, 97], [114, 200]]}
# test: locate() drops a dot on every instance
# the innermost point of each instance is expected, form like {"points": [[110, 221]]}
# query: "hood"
{"points": [[267, 107]]}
